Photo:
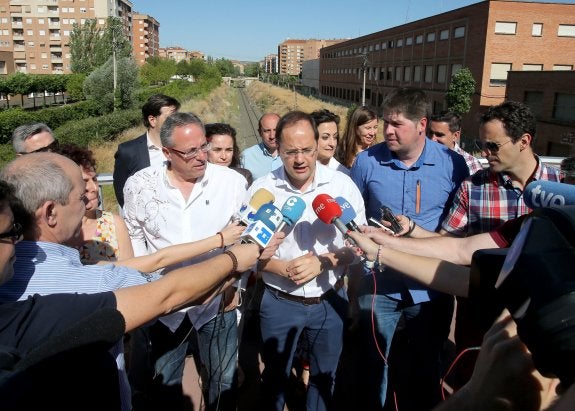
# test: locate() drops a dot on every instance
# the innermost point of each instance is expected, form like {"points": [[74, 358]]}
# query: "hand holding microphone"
{"points": [[263, 226], [248, 211]]}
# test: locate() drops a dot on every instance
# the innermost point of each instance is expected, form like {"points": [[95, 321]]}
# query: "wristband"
{"points": [[411, 228], [234, 261], [221, 239]]}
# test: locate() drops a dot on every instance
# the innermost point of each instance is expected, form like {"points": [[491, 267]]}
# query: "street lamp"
{"points": [[364, 68]]}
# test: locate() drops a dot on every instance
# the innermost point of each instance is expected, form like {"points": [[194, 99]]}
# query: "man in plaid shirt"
{"points": [[492, 196], [445, 128]]}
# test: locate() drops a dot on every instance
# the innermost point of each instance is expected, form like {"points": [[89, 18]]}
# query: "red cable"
{"points": [[465, 351]]}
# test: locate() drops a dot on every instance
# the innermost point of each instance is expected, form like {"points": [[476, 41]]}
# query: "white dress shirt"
{"points": [[158, 215], [310, 233]]}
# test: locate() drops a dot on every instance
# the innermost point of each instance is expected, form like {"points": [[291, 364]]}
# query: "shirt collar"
{"points": [[388, 157], [321, 176], [505, 180], [150, 144]]}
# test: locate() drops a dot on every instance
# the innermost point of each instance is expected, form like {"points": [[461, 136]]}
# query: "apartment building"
{"points": [[551, 96], [292, 53], [37, 32], [271, 64], [145, 37], [490, 37]]}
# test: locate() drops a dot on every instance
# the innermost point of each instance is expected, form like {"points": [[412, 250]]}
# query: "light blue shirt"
{"points": [[259, 160], [383, 179]]}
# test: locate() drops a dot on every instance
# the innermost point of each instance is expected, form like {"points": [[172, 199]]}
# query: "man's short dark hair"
{"points": [[412, 103], [291, 118], [517, 119], [153, 107], [452, 119]]}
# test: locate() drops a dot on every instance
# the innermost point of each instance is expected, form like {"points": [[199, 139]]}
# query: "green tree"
{"points": [[252, 70], [74, 86], [226, 68], [157, 71], [99, 85], [460, 92], [19, 83], [92, 45]]}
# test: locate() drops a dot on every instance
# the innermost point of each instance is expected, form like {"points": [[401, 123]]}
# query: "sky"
{"points": [[250, 30]]}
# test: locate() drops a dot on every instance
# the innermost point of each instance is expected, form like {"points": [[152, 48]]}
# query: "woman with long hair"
{"points": [[360, 133]]}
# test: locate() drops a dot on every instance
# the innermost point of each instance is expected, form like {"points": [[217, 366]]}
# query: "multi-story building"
{"points": [[551, 96], [145, 37], [271, 64], [292, 53], [178, 54], [491, 38], [37, 32]]}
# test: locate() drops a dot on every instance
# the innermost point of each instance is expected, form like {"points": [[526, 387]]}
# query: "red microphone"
{"points": [[329, 211]]}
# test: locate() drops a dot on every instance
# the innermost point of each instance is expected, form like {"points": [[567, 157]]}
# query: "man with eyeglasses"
{"points": [[186, 199], [33, 138], [303, 292], [445, 128]]}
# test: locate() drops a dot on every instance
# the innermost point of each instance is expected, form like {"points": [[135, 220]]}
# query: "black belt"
{"points": [[297, 298]]}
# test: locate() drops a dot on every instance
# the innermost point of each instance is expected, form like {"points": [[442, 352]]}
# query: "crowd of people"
{"points": [[102, 309]]}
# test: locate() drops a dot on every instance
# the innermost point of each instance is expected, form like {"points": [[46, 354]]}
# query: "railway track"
{"points": [[249, 115]]}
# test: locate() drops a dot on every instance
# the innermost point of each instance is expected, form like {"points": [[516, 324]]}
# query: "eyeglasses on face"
{"points": [[490, 146], [52, 147], [188, 155], [14, 234], [307, 152]]}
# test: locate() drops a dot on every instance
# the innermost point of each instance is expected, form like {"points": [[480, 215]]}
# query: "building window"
{"points": [[444, 34], [428, 78], [400, 43], [566, 30], [505, 27], [532, 67], [377, 47], [419, 39], [534, 99], [382, 74], [398, 71], [498, 75], [390, 44], [537, 29], [33, 66], [42, 32], [417, 73], [383, 46], [407, 73], [30, 32], [390, 73], [564, 108], [430, 37], [441, 73], [409, 41], [44, 67], [562, 67], [459, 32]]}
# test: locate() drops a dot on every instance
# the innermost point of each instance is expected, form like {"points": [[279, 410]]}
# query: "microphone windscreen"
{"points": [[326, 208], [542, 193], [292, 210], [269, 215], [261, 197], [347, 211]]}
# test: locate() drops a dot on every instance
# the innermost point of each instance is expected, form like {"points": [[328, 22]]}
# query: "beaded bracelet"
{"points": [[234, 261], [377, 256], [221, 239]]}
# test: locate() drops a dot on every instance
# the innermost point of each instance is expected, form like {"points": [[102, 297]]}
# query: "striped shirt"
{"points": [[473, 164], [486, 200], [48, 268]]}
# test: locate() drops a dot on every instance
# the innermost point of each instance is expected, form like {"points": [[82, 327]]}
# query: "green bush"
{"points": [[10, 119], [6, 154], [97, 129]]}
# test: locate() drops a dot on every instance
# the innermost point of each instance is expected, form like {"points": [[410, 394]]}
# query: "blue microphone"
{"points": [[542, 193], [347, 214], [291, 211], [263, 226]]}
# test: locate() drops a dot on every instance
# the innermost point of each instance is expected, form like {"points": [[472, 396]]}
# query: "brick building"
{"points": [[292, 54], [490, 38], [271, 64], [551, 96], [145, 37], [37, 32]]}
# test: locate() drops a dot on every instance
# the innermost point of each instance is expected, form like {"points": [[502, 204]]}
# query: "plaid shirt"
{"points": [[472, 162], [486, 200]]}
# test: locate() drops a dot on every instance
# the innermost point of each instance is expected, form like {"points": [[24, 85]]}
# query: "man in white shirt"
{"points": [[187, 199], [302, 281]]}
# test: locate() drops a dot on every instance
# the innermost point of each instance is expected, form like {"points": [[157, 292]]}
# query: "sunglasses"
{"points": [[52, 147], [14, 234], [490, 146]]}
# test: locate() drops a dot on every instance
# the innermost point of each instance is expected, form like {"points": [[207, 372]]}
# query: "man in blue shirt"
{"points": [[415, 177], [263, 157]]}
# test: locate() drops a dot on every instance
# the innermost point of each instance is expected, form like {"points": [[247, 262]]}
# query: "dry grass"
{"points": [[222, 106]]}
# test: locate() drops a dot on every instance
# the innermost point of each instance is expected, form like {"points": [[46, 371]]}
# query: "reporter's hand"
{"points": [[247, 255], [231, 233], [368, 246], [272, 247], [404, 222]]}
